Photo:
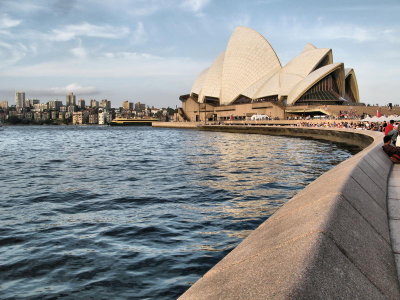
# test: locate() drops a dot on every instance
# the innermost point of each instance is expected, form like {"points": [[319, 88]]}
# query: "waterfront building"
{"points": [[71, 99], [248, 79], [39, 107], [4, 104], [45, 116], [61, 116], [102, 117], [36, 107], [13, 113], [109, 116], [53, 115], [20, 99], [37, 116], [28, 115], [71, 109], [68, 116], [77, 118], [93, 118]]}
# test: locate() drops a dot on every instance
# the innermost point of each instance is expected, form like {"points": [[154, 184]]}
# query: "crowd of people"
{"points": [[391, 142], [345, 124]]}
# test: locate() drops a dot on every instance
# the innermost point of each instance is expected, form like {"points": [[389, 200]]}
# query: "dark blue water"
{"points": [[136, 213]]}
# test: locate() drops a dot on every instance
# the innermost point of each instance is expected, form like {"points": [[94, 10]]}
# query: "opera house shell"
{"points": [[250, 71]]}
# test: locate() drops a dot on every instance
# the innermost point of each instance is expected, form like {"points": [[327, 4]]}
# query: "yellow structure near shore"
{"points": [[133, 122]]}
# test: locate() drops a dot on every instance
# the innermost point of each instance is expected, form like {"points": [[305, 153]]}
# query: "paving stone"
{"points": [[397, 258], [394, 192], [394, 226], [394, 209], [393, 182]]}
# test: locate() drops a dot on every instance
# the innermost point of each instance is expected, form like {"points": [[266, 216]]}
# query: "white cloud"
{"points": [[195, 5], [7, 22], [145, 10], [79, 52], [131, 55], [349, 32], [70, 32], [10, 54], [110, 65], [139, 35], [73, 88], [293, 28], [24, 6]]}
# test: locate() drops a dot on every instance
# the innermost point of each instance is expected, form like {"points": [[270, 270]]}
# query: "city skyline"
{"points": [[151, 51]]}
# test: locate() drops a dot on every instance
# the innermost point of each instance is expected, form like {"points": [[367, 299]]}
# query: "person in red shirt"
{"points": [[389, 127]]}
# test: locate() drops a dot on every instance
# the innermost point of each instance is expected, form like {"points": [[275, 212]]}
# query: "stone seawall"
{"points": [[331, 241]]}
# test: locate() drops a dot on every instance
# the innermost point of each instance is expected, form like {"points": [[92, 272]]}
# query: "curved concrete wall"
{"points": [[330, 241]]}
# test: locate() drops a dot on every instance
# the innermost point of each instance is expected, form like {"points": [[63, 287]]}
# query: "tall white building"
{"points": [[71, 99], [20, 99], [102, 117]]}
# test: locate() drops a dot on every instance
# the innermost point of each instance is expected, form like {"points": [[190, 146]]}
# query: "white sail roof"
{"points": [[198, 84], [313, 78], [248, 58], [250, 67], [212, 80]]}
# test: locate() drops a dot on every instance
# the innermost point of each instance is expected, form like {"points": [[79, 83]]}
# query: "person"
{"points": [[389, 127], [392, 151], [384, 124], [393, 134]]}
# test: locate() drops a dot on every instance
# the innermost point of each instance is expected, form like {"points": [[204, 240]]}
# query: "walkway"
{"points": [[394, 212]]}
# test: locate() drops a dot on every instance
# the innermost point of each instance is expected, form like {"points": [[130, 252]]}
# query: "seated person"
{"points": [[392, 151], [393, 134]]}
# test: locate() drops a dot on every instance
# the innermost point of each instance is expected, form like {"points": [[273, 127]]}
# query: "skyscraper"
{"points": [[71, 99], [20, 99], [82, 104], [127, 105], [94, 103], [105, 104]]}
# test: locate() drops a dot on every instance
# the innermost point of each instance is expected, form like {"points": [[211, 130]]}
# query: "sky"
{"points": [[152, 50]]}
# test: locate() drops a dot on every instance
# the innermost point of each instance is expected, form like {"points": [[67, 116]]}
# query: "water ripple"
{"points": [[137, 213]]}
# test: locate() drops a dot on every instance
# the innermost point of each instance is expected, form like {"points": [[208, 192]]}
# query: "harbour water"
{"points": [[137, 213]]}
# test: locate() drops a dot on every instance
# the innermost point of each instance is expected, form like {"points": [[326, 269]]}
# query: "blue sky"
{"points": [[152, 50]]}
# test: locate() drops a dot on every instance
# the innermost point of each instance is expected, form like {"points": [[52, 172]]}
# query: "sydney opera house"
{"points": [[248, 79]]}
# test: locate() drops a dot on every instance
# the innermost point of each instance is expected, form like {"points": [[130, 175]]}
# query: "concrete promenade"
{"points": [[394, 212], [331, 241]]}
